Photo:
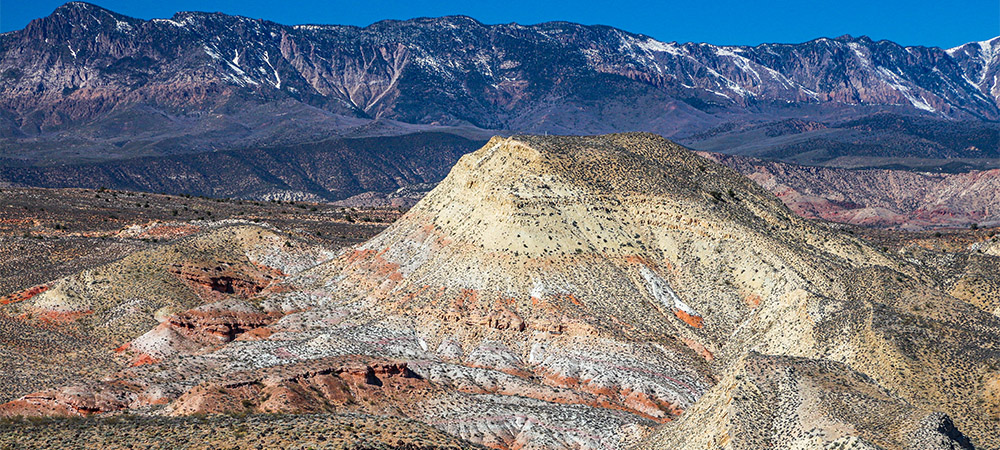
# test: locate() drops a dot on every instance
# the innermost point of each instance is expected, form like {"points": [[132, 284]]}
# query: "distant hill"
{"points": [[328, 170], [878, 197]]}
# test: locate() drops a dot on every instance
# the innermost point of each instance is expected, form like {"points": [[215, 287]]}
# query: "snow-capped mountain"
{"points": [[980, 62], [105, 84]]}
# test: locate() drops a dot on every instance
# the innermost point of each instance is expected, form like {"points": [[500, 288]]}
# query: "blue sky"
{"points": [[939, 23]]}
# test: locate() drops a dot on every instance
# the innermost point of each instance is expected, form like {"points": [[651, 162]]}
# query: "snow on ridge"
{"points": [[989, 52], [122, 27], [729, 84], [975, 93], [778, 76], [724, 52], [720, 94], [240, 77], [858, 54], [314, 27], [652, 45], [210, 52], [809, 92], [277, 78], [741, 61], [896, 83], [971, 83], [169, 21], [985, 53], [482, 62], [988, 47]]}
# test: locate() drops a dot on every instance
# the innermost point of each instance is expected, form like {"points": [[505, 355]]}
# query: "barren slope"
{"points": [[579, 292]]}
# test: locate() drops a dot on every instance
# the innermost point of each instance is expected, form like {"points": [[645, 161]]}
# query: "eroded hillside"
{"points": [[129, 249], [878, 197], [572, 292]]}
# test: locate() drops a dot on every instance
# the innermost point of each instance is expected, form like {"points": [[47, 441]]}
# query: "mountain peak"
{"points": [[77, 18], [75, 9], [621, 163], [74, 6], [542, 77], [457, 18], [453, 21], [850, 38]]}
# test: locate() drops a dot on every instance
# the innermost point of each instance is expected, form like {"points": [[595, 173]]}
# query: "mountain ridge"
{"points": [[87, 93], [271, 59]]}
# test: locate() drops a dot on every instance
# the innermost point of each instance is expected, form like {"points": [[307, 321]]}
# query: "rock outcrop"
{"points": [[123, 299], [321, 385]]}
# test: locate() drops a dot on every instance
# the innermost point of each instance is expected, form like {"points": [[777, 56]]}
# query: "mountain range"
{"points": [[455, 255], [85, 85]]}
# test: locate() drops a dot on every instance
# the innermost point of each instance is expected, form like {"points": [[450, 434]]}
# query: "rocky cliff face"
{"points": [[109, 85], [411, 70], [980, 62], [589, 292]]}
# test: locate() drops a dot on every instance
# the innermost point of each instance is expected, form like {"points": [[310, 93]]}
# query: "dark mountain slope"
{"points": [[883, 140], [327, 170]]}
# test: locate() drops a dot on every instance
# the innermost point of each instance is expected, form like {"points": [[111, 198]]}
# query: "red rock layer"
{"points": [[219, 326], [226, 280], [343, 383], [26, 294]]}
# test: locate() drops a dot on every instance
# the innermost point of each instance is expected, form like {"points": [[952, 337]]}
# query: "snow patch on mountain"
{"points": [[652, 45], [277, 78], [169, 22], [896, 83]]}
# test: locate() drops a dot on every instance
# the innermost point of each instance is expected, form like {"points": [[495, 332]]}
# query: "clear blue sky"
{"points": [[941, 23]]}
